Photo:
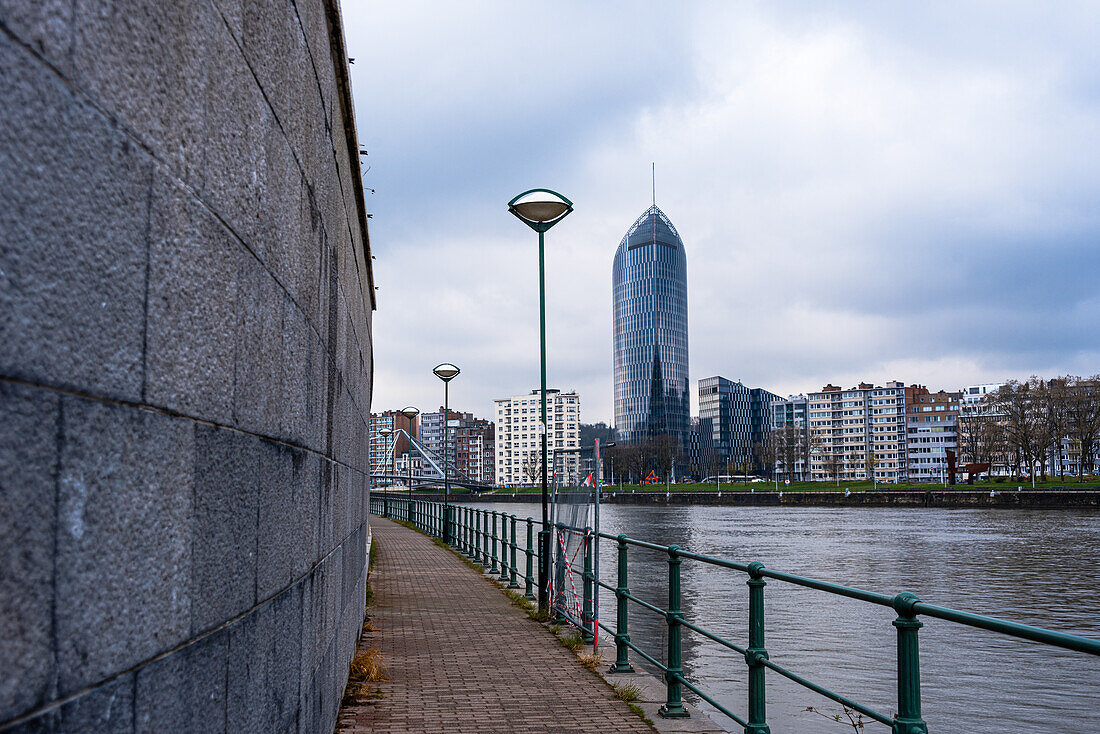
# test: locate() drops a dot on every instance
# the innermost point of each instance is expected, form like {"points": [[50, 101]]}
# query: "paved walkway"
{"points": [[460, 658]]}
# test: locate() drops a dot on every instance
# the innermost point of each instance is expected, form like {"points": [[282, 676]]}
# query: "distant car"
{"points": [[758, 479]]}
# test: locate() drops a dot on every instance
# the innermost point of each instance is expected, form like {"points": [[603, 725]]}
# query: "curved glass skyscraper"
{"points": [[649, 282]]}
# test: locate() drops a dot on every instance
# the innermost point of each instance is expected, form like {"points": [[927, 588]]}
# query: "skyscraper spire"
{"points": [[653, 179]]}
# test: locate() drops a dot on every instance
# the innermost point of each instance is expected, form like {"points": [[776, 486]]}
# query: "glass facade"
{"points": [[649, 286]]}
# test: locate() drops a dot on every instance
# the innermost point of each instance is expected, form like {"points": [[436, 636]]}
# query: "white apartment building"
{"points": [[519, 439], [854, 430]]}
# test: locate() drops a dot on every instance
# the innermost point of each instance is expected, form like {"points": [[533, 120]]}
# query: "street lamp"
{"points": [[541, 209], [410, 413], [386, 433], [446, 372]]}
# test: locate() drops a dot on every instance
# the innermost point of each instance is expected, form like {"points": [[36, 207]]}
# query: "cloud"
{"points": [[862, 193]]}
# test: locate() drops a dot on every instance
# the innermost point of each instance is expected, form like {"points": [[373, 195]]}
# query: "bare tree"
{"points": [[765, 453], [1020, 404], [1083, 422], [532, 466]]}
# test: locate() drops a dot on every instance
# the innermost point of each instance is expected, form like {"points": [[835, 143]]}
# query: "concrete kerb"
{"points": [[651, 689]]}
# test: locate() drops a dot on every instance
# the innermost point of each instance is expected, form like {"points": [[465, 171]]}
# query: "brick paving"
{"points": [[460, 658]]}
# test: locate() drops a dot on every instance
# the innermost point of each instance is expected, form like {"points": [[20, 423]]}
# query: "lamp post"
{"points": [[409, 412], [446, 372], [541, 209], [386, 433]]}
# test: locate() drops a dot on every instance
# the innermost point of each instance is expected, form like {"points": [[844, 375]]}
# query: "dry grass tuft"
{"points": [[628, 692], [367, 665], [574, 641], [590, 660]]}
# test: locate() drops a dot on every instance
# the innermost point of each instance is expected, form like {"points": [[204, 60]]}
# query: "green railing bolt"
{"points": [[513, 584], [756, 653], [529, 579], [587, 633], [908, 719], [673, 707], [622, 661]]}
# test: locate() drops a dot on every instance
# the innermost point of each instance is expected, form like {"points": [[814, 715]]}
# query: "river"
{"points": [[1036, 567]]}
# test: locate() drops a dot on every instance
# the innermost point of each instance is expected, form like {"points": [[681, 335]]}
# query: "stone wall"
{"points": [[185, 366]]}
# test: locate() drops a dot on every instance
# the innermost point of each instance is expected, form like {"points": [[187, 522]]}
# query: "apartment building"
{"points": [[380, 447], [790, 433], [519, 442], [475, 449], [931, 429], [858, 433]]}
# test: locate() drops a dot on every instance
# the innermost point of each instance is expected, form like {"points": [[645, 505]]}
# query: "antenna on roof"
{"points": [[653, 178]]}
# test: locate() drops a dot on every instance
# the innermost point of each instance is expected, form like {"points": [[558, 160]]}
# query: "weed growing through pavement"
{"points": [[640, 713], [628, 692], [367, 665]]}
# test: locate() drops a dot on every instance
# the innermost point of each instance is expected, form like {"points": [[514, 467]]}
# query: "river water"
{"points": [[1037, 567]]}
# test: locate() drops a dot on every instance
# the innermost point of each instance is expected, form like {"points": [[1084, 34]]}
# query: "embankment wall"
{"points": [[185, 366]]}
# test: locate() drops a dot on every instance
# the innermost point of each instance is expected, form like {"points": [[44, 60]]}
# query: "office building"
{"points": [[739, 418], [519, 442], [649, 291]]}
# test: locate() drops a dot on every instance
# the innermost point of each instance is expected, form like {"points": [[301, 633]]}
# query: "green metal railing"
{"points": [[475, 533]]}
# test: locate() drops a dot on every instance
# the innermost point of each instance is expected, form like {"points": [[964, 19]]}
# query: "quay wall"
{"points": [[957, 498], [185, 366]]}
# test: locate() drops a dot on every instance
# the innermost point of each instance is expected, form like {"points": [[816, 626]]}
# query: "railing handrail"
{"points": [[472, 535]]}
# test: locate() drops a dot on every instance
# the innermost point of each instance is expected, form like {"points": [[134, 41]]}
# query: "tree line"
{"points": [[1024, 426]]}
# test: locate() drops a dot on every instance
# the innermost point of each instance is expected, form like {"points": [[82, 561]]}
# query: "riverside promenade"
{"points": [[459, 656]]}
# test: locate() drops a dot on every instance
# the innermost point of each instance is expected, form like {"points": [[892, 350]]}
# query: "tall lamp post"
{"points": [[541, 209], [386, 433], [409, 412], [446, 372]]}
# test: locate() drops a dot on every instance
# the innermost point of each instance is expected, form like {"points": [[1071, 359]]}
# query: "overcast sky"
{"points": [[866, 191]]}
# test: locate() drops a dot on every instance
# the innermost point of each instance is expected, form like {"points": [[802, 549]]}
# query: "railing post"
{"points": [[471, 533], [483, 516], [673, 707], [493, 544], [622, 636], [908, 719], [587, 632], [463, 529], [491, 541], [528, 578], [503, 547], [479, 536], [558, 589], [474, 551], [756, 653], [512, 584]]}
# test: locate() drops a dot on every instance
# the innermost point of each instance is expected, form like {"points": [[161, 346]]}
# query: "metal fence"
{"points": [[475, 533]]}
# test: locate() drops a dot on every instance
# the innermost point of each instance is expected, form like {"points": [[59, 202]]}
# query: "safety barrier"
{"points": [[475, 534]]}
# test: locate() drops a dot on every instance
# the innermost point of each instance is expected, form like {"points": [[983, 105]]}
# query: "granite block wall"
{"points": [[185, 366]]}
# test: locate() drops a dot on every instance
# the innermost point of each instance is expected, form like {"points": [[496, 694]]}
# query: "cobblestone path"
{"points": [[460, 658]]}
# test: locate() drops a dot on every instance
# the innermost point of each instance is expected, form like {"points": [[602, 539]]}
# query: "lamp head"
{"points": [[540, 209], [410, 412], [385, 431], [446, 371]]}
